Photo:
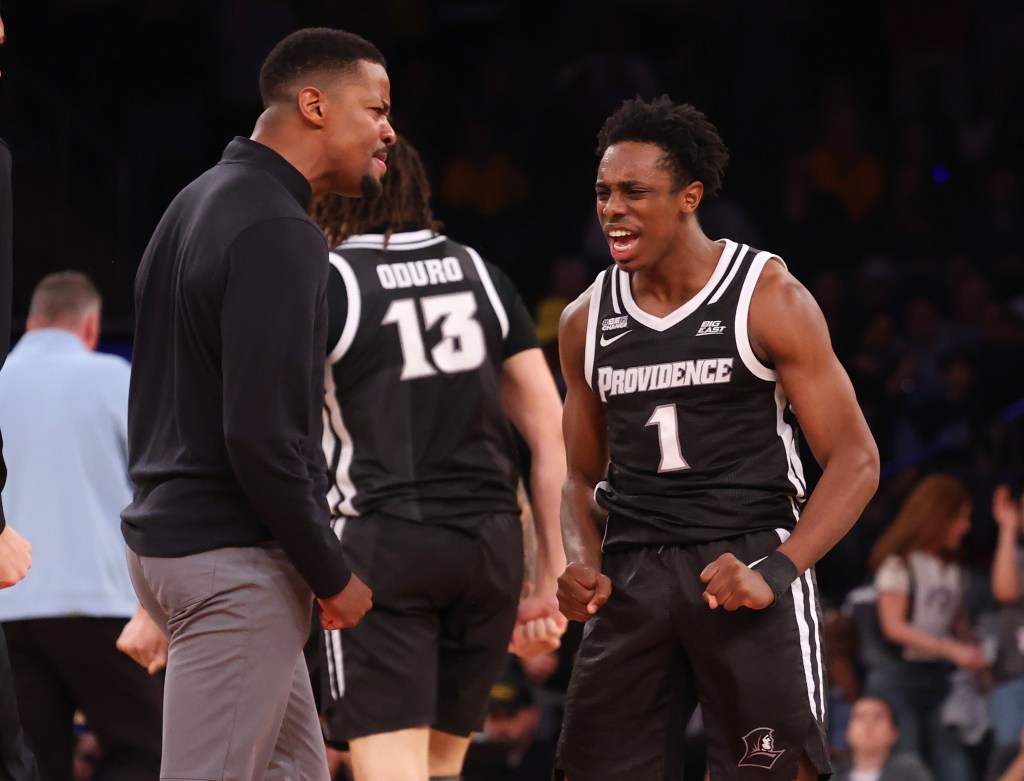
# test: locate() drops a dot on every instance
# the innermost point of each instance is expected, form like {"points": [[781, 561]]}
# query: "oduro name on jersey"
{"points": [[419, 273]]}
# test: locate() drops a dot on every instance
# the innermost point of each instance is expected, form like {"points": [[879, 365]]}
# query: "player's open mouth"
{"points": [[621, 241]]}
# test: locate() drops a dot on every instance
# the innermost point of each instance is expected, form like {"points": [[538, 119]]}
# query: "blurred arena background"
{"points": [[877, 146]]}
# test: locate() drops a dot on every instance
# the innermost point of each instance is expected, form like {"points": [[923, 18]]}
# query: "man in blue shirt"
{"points": [[63, 411]]}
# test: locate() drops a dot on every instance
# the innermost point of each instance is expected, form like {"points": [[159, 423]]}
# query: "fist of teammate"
{"points": [[15, 557], [346, 608], [582, 590], [144, 642], [539, 627]]}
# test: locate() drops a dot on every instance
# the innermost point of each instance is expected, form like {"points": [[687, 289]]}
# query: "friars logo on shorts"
{"points": [[760, 743]]}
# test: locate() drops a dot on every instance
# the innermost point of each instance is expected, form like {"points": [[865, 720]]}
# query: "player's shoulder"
{"points": [[778, 291], [574, 316], [776, 277]]}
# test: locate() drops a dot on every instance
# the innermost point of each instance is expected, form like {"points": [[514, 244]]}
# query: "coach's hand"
{"points": [[346, 608], [582, 590], [732, 584]]}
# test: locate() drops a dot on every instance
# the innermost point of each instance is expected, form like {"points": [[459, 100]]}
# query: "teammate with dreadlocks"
{"points": [[432, 353]]}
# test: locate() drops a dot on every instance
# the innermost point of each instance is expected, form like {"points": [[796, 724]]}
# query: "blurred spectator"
{"points": [[546, 316], [63, 411], [483, 178], [844, 685], [947, 426], [871, 735], [87, 756], [813, 230], [568, 277], [510, 748], [921, 613], [1010, 766], [996, 216], [1006, 699], [842, 166], [928, 339], [871, 364]]}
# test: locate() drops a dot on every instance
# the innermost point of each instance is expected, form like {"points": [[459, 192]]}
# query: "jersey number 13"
{"points": [[462, 347]]}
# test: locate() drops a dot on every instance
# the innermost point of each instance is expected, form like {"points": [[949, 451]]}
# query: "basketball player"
{"points": [[432, 352], [688, 364]]}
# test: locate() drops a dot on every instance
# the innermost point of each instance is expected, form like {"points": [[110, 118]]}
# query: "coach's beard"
{"points": [[371, 186]]}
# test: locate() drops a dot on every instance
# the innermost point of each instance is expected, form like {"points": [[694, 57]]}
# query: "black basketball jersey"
{"points": [[703, 442], [413, 421]]}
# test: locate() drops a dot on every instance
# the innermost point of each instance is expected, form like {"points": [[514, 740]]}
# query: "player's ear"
{"points": [[690, 197]]}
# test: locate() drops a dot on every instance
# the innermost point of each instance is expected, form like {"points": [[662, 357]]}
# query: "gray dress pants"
{"points": [[238, 705]]}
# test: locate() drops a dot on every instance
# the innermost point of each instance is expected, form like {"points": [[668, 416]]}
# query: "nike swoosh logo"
{"points": [[606, 342]]}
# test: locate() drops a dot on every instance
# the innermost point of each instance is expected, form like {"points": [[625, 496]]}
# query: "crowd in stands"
{"points": [[881, 157]]}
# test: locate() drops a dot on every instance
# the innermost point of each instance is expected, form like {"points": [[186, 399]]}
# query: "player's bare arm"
{"points": [[788, 332], [531, 401], [582, 589]]}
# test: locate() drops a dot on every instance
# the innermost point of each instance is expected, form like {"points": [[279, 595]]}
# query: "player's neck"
{"points": [[679, 276]]}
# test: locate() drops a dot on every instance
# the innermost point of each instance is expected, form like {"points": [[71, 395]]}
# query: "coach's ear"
{"points": [[309, 103]]}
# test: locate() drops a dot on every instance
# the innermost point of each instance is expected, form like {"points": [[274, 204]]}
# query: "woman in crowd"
{"points": [[921, 613]]}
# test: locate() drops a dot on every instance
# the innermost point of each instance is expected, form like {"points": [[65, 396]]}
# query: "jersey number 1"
{"points": [[462, 347], [665, 418]]}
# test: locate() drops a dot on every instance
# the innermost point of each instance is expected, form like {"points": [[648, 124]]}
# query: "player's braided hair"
{"points": [[404, 203], [694, 152]]}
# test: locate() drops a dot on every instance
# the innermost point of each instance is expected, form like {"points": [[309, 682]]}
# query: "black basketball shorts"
{"points": [[655, 649], [444, 606]]}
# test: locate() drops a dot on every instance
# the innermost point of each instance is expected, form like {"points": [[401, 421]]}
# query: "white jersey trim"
{"points": [[804, 630], [590, 346], [492, 293], [332, 646], [746, 352], [342, 490], [355, 303], [615, 294], [794, 466], [732, 273], [815, 660], [691, 306], [410, 240]]}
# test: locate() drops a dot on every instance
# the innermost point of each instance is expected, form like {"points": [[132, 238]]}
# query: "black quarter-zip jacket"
{"points": [[227, 386]]}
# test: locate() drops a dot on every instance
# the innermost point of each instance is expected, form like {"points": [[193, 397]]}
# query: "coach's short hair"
{"points": [[694, 152], [310, 52], [67, 295]]}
